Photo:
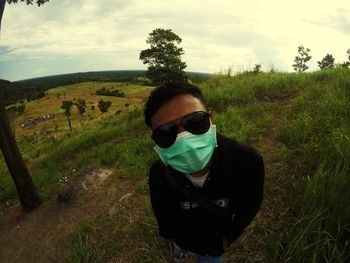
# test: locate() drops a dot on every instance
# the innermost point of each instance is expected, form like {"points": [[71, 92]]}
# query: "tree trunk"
{"points": [[28, 197], [2, 7], [70, 125], [27, 194]]}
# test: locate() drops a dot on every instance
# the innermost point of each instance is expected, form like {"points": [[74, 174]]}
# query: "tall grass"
{"points": [[317, 133], [246, 88]]}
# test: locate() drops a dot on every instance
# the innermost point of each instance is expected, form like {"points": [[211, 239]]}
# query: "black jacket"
{"points": [[235, 182]]}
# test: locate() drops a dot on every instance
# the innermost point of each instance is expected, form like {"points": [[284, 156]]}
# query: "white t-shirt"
{"points": [[197, 181]]}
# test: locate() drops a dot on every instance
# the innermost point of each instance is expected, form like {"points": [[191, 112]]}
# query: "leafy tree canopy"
{"points": [[326, 62], [346, 64], [29, 2], [104, 105], [302, 59], [81, 105], [164, 57], [67, 106]]}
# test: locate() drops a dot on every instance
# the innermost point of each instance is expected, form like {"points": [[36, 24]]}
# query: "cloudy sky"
{"points": [[87, 35]]}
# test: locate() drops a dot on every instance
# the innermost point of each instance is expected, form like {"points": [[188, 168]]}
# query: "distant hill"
{"points": [[35, 88], [110, 75], [71, 78]]}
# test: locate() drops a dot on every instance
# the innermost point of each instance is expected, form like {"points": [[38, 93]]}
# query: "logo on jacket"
{"points": [[223, 202]]}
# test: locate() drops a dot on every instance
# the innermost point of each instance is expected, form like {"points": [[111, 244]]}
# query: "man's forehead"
{"points": [[176, 108]]}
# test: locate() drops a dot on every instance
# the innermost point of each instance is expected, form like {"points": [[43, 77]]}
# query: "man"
{"points": [[206, 188]]}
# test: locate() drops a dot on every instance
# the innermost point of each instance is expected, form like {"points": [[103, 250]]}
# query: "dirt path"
{"points": [[46, 233], [265, 230]]}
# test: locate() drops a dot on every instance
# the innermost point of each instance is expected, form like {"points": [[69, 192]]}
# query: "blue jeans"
{"points": [[179, 256]]}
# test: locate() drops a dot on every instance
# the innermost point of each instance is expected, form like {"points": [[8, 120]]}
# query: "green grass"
{"points": [[244, 123], [81, 251], [316, 133]]}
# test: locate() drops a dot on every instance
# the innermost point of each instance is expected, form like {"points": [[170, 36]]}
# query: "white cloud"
{"points": [[106, 34]]}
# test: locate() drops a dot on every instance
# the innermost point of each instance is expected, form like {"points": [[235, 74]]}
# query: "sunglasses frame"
{"points": [[172, 128]]}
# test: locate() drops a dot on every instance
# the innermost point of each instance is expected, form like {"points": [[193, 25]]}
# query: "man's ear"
{"points": [[211, 116]]}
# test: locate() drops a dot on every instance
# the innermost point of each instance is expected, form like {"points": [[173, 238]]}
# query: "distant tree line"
{"points": [[32, 89], [109, 92], [11, 92]]}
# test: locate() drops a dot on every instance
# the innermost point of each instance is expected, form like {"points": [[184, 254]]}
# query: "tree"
{"points": [[257, 68], [29, 2], [346, 64], [26, 190], [104, 105], [302, 59], [67, 106], [164, 57], [326, 62], [81, 106]]}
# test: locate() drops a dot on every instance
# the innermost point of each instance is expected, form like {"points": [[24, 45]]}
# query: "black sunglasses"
{"points": [[197, 122]]}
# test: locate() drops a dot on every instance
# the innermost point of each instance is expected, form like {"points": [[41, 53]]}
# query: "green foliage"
{"points": [[257, 68], [11, 92], [103, 105], [302, 59], [81, 106], [67, 106], [346, 64], [164, 57], [29, 2], [107, 92], [326, 62]]}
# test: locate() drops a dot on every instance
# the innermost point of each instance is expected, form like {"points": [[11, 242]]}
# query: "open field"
{"points": [[51, 104], [299, 122]]}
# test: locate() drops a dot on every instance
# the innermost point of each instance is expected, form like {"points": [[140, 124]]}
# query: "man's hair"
{"points": [[166, 92]]}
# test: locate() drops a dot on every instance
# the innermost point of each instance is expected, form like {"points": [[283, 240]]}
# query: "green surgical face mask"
{"points": [[190, 152]]}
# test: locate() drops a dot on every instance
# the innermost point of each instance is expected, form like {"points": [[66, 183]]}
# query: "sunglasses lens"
{"points": [[165, 135], [197, 122]]}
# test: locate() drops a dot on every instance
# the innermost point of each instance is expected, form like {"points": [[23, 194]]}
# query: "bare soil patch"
{"points": [[46, 233]]}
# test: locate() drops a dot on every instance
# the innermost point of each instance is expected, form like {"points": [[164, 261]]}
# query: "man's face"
{"points": [[176, 108]]}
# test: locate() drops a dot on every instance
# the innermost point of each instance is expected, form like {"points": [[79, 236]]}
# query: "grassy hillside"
{"points": [[305, 216], [36, 141], [51, 103]]}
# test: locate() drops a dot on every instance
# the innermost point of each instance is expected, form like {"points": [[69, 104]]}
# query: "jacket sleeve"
{"points": [[161, 201], [252, 198]]}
